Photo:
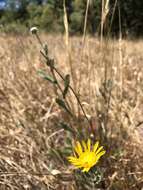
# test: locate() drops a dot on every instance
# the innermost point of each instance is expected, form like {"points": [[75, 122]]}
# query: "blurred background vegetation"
{"points": [[93, 88], [19, 15]]}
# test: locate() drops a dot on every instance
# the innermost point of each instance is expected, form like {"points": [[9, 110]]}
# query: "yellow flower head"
{"points": [[85, 155]]}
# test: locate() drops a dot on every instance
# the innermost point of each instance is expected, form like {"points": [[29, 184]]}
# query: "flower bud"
{"points": [[34, 30]]}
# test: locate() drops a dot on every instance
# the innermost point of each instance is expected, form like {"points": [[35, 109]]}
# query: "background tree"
{"points": [[77, 16], [48, 14]]}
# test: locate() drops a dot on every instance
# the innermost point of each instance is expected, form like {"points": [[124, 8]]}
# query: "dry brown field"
{"points": [[108, 78]]}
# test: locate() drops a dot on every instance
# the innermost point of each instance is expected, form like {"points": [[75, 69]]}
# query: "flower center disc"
{"points": [[87, 159]]}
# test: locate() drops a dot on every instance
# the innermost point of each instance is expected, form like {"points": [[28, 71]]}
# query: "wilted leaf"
{"points": [[55, 172], [45, 49], [67, 82]]}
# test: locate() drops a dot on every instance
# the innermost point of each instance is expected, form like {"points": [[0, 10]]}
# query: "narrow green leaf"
{"points": [[66, 127], [62, 104], [55, 153], [47, 77]]}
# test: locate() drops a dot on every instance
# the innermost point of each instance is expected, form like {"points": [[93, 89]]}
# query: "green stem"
{"points": [[76, 96]]}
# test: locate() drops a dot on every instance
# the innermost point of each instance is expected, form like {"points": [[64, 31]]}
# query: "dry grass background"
{"points": [[29, 114]]}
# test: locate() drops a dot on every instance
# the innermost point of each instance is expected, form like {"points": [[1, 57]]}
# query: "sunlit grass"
{"points": [[37, 136]]}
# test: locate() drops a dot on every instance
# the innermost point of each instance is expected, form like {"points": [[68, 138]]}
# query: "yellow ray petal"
{"points": [[99, 155], [98, 150], [78, 148], [74, 153], [71, 158], [95, 146], [84, 146], [85, 169], [75, 162], [78, 166], [88, 144]]}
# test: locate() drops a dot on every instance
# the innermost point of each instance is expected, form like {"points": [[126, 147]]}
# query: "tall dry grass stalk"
{"points": [[85, 21], [120, 55], [104, 13], [69, 56], [68, 45]]}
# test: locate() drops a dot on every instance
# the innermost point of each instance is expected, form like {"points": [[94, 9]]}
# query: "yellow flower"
{"points": [[86, 156]]}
